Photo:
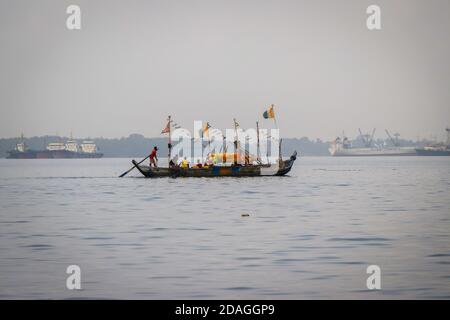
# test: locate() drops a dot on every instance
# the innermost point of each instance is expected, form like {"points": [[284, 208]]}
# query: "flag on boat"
{"points": [[206, 128], [166, 129], [269, 114]]}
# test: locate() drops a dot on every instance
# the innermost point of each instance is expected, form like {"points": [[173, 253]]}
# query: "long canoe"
{"points": [[278, 169]]}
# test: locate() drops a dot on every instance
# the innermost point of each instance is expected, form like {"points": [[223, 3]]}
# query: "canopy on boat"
{"points": [[230, 157]]}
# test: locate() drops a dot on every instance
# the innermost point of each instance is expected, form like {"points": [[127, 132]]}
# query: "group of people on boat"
{"points": [[184, 163], [199, 165]]}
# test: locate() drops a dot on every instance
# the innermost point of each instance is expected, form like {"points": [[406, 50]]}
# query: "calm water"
{"points": [[309, 235]]}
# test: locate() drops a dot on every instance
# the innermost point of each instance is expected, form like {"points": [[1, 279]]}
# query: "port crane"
{"points": [[394, 141], [366, 138]]}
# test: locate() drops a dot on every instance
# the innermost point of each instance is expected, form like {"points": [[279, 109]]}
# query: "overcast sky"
{"points": [[135, 62]]}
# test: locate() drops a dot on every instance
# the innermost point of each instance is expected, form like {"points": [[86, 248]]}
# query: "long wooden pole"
{"points": [[170, 141], [224, 153], [134, 166], [235, 143], [209, 145], [202, 142], [209, 139], [258, 150], [280, 157]]}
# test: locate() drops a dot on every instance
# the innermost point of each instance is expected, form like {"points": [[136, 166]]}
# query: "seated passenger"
{"points": [[184, 163], [199, 164]]}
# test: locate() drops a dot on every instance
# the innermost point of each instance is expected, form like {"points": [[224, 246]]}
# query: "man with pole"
{"points": [[153, 157]]}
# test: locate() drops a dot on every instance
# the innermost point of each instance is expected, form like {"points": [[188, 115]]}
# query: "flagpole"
{"points": [[209, 144], [258, 150], [209, 139], [224, 153], [202, 143], [170, 142], [235, 142]]}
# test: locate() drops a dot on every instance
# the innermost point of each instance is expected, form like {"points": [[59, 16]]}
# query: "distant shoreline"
{"points": [[137, 145]]}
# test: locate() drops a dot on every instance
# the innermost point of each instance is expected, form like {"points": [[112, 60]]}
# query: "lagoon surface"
{"points": [[308, 235]]}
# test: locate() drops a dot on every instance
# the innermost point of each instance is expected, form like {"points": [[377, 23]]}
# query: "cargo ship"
{"points": [[438, 149], [342, 147], [56, 150]]}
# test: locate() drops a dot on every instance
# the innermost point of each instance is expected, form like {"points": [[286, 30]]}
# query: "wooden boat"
{"points": [[279, 169], [235, 169]]}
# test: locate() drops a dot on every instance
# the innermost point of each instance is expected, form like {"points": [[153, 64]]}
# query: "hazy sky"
{"points": [[135, 62]]}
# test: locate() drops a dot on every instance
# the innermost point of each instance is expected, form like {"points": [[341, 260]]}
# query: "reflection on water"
{"points": [[309, 235]]}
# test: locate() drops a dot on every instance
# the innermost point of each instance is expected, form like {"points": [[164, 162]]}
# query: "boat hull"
{"points": [[433, 153], [219, 171], [373, 152], [52, 154]]}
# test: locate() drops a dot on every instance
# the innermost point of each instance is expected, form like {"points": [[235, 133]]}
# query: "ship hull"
{"points": [[29, 154], [52, 154], [369, 152], [219, 171], [433, 153]]}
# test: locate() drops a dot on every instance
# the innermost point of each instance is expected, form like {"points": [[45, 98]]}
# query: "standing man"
{"points": [[153, 157]]}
